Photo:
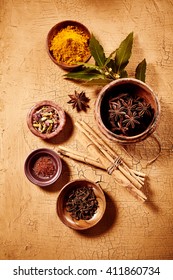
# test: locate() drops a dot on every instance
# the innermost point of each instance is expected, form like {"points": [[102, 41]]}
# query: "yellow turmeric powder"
{"points": [[70, 45]]}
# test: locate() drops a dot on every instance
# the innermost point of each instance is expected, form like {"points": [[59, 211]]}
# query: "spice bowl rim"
{"points": [[62, 118], [31, 159], [54, 30], [81, 224], [121, 138]]}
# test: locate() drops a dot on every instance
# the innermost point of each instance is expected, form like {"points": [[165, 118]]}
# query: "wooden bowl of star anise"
{"points": [[127, 111]]}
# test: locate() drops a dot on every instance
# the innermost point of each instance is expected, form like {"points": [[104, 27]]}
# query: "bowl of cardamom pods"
{"points": [[46, 119], [68, 44], [81, 204]]}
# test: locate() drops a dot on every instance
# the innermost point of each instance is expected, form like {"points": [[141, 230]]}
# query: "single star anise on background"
{"points": [[79, 101]]}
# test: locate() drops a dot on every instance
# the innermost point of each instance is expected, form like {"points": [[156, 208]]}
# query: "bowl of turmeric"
{"points": [[68, 44]]}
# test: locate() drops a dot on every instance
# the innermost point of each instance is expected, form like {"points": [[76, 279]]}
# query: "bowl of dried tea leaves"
{"points": [[81, 204]]}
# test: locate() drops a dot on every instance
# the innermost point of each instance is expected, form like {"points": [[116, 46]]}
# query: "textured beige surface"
{"points": [[29, 226]]}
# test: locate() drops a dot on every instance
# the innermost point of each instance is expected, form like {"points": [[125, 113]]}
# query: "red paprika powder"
{"points": [[44, 167]]}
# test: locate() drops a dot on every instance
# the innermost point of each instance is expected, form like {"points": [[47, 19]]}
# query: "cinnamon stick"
{"points": [[105, 149], [119, 177], [79, 157]]}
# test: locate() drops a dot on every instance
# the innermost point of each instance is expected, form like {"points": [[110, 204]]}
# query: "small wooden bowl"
{"points": [[54, 31], [133, 87], [38, 179], [65, 216], [62, 119]]}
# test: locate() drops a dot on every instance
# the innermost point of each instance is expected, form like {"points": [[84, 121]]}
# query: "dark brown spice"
{"points": [[79, 101], [128, 115], [44, 167], [82, 203]]}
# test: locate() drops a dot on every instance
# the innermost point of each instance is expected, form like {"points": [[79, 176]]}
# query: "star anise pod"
{"points": [[131, 119], [79, 101]]}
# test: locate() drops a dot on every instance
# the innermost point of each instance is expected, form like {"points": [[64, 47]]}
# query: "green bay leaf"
{"points": [[123, 53], [84, 75], [89, 66], [98, 82], [97, 51], [141, 70], [123, 74], [109, 59]]}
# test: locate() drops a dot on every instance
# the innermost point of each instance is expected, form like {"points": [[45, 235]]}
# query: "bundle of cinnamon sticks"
{"points": [[105, 158]]}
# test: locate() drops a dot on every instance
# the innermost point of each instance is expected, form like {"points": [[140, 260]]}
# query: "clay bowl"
{"points": [[55, 30], [45, 134], [65, 216], [133, 87], [46, 178]]}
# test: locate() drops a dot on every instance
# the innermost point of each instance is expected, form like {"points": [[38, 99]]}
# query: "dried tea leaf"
{"points": [[97, 51], [123, 53], [141, 70]]}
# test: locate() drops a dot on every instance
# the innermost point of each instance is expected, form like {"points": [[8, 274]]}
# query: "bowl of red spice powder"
{"points": [[68, 44], [46, 119], [43, 167]]}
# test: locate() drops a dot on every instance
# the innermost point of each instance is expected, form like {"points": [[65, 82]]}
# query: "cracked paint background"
{"points": [[30, 228]]}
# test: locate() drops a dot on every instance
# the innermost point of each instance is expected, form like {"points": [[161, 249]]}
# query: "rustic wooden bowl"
{"points": [[132, 86], [54, 31], [65, 216], [62, 119], [40, 180]]}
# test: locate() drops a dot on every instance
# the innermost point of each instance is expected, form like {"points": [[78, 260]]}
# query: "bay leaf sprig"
{"points": [[141, 70], [108, 68]]}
